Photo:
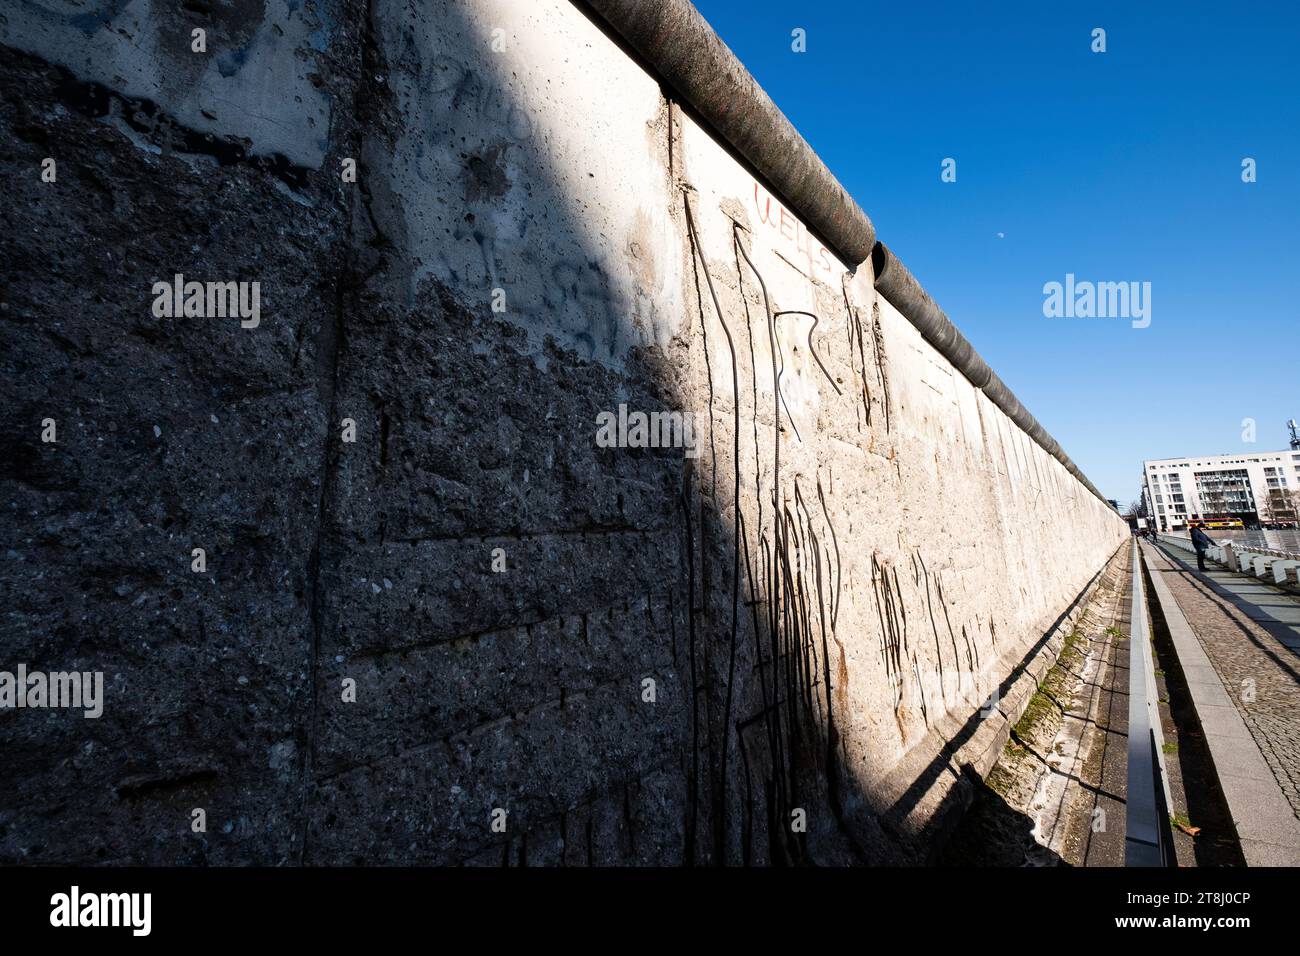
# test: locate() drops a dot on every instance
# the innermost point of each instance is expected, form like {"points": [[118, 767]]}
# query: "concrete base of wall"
{"points": [[952, 762]]}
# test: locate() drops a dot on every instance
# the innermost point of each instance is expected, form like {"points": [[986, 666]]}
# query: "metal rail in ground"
{"points": [[1147, 840], [1186, 544]]}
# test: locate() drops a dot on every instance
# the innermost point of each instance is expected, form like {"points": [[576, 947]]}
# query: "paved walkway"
{"points": [[1245, 676]]}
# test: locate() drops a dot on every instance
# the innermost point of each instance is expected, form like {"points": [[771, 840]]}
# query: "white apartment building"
{"points": [[1258, 488]]}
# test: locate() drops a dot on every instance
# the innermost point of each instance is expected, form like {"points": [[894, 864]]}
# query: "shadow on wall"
{"points": [[640, 684], [995, 834], [658, 675], [472, 635]]}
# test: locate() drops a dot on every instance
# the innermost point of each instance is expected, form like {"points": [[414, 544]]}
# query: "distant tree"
{"points": [[1285, 503], [1278, 505]]}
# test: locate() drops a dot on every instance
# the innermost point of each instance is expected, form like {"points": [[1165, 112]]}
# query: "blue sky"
{"points": [[1119, 166]]}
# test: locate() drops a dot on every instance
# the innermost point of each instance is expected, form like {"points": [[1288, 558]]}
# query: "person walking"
{"points": [[1201, 541]]}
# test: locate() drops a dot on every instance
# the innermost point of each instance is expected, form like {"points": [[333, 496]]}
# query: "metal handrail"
{"points": [[1238, 546], [1271, 552]]}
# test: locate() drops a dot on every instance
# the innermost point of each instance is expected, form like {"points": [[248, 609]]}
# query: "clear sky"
{"points": [[1116, 166]]}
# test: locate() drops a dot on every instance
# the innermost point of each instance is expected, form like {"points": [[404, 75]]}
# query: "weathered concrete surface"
{"points": [[171, 435], [819, 667], [260, 79]]}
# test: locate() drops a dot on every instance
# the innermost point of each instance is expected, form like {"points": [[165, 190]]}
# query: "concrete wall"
{"points": [[824, 598]]}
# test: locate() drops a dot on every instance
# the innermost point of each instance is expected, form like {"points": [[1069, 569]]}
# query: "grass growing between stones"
{"points": [[1039, 706], [1049, 699], [1000, 779]]}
